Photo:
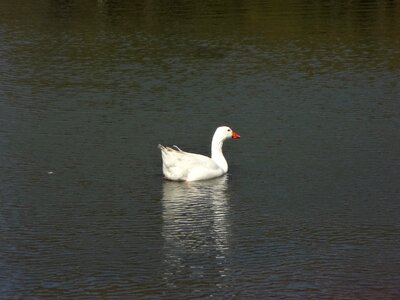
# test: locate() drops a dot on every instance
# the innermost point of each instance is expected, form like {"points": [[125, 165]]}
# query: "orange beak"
{"points": [[235, 135]]}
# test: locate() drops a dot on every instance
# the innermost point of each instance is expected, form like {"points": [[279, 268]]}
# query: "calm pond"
{"points": [[310, 208]]}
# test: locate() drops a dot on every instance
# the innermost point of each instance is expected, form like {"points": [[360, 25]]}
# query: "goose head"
{"points": [[224, 132]]}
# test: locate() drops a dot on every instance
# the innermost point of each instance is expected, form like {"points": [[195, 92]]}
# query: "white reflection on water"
{"points": [[196, 230]]}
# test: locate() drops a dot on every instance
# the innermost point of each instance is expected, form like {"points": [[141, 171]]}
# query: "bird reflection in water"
{"points": [[196, 231]]}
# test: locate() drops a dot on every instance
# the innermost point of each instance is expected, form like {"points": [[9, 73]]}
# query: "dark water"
{"points": [[311, 205]]}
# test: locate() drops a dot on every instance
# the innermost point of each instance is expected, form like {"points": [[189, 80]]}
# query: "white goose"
{"points": [[179, 165]]}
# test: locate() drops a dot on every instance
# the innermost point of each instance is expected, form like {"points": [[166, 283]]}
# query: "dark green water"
{"points": [[311, 206]]}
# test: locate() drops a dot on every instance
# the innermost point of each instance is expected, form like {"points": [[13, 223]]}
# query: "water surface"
{"points": [[310, 207]]}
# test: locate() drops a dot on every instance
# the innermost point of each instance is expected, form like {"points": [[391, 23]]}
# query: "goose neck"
{"points": [[216, 153]]}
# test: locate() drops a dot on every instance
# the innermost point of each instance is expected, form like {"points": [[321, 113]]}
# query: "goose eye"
{"points": [[228, 130]]}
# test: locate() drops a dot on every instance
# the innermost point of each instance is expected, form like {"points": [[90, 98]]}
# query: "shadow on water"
{"points": [[196, 230]]}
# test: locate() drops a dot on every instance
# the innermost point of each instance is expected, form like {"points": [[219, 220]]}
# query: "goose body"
{"points": [[179, 165]]}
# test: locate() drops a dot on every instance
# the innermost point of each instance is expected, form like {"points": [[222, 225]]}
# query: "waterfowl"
{"points": [[179, 165]]}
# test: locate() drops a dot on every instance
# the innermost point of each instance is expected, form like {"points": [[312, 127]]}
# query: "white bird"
{"points": [[179, 165]]}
